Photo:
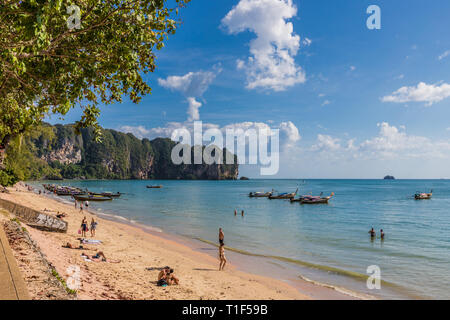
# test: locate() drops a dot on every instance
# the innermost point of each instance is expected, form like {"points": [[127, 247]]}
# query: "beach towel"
{"points": [[91, 241]]}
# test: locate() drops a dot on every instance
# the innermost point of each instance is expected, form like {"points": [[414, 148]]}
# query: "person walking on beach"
{"points": [[222, 258], [81, 206], [93, 227], [75, 204], [84, 227], [221, 236]]}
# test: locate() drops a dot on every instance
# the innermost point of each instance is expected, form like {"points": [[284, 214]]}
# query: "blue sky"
{"points": [[353, 102]]}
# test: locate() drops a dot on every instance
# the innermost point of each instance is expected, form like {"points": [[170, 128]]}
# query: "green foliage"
{"points": [[45, 67]]}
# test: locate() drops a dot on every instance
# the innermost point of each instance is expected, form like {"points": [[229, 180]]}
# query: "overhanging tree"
{"points": [[47, 67]]}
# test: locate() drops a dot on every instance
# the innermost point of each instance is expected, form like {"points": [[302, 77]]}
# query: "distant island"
{"points": [[389, 178], [56, 152]]}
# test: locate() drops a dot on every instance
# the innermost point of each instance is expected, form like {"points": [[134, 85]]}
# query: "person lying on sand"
{"points": [[68, 245], [166, 277], [99, 256], [60, 215]]}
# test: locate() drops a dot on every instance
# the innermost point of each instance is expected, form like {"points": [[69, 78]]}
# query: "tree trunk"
{"points": [[3, 147]]}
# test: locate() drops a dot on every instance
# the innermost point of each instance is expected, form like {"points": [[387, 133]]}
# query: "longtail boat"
{"points": [[423, 196], [106, 194], [154, 187], [309, 199], [284, 195], [260, 194], [88, 197]]}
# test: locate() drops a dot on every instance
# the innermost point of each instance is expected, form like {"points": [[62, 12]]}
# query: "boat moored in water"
{"points": [[154, 187], [106, 194], [309, 199], [260, 194], [423, 196], [284, 195], [89, 197]]}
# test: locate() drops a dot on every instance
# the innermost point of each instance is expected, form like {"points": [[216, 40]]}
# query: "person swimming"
{"points": [[372, 233]]}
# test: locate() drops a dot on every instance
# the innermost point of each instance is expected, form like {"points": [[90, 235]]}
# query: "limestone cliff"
{"points": [[118, 156]]}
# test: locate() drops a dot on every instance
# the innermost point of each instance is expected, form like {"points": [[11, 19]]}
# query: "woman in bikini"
{"points": [[222, 258]]}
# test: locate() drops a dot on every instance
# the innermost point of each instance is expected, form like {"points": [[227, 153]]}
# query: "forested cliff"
{"points": [[57, 152]]}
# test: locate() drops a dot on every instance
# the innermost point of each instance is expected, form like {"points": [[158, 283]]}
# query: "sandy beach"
{"points": [[141, 255]]}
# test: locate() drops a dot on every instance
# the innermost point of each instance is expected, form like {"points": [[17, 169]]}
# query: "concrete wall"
{"points": [[34, 218]]}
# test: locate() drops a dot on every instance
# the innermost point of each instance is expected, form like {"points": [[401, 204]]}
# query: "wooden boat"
{"points": [[308, 199], [423, 196], [154, 187], [88, 197], [260, 194], [284, 195], [106, 194]]}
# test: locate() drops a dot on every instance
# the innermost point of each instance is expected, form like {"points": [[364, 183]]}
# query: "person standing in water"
{"points": [[235, 212], [242, 213], [222, 258], [381, 234], [221, 236], [372, 233]]}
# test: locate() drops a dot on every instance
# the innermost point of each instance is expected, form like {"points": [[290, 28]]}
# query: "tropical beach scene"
{"points": [[238, 150]]}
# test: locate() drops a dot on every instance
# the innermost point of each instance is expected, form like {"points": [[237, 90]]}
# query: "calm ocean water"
{"points": [[330, 243]]}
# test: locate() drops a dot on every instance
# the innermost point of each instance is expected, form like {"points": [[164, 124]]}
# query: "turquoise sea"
{"points": [[325, 243]]}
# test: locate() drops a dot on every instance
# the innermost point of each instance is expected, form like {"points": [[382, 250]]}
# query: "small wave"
{"points": [[329, 269]]}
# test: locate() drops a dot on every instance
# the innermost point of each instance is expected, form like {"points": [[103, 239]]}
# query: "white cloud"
{"points": [[352, 68], [271, 63], [326, 102], [423, 92], [306, 42], [444, 55], [192, 84], [193, 113], [390, 143], [289, 133], [326, 143]]}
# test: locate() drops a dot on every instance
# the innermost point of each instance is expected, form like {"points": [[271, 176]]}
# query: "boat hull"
{"points": [[92, 198]]}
